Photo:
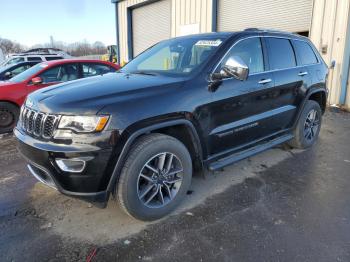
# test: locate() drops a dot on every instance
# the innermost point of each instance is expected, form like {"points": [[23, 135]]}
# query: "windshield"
{"points": [[14, 60], [176, 57], [28, 73]]}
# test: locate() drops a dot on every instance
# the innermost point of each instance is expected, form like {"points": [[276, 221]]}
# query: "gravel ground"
{"points": [[281, 205]]}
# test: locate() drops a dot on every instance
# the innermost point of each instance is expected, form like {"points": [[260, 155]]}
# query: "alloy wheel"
{"points": [[311, 125], [159, 180]]}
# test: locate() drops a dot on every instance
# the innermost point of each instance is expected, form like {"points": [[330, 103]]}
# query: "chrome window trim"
{"points": [[267, 71]]}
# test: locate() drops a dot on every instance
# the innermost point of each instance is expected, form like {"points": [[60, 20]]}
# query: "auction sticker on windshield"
{"points": [[209, 42]]}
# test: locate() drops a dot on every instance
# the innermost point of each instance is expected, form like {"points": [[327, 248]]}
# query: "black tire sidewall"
{"points": [[12, 109], [129, 185], [310, 105]]}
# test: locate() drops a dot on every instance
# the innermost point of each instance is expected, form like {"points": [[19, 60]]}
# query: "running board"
{"points": [[248, 152]]}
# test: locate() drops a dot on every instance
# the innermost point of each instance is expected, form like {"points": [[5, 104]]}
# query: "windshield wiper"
{"points": [[143, 73]]}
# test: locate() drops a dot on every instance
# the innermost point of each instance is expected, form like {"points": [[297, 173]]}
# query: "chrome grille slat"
{"points": [[38, 124]]}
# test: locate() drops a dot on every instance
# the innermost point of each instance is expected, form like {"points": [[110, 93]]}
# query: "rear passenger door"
{"points": [[308, 61], [289, 78]]}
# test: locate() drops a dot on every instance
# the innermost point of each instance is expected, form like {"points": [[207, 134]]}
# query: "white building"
{"points": [[142, 23]]}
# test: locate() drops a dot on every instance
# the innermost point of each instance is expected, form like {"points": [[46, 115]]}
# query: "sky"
{"points": [[31, 22]]}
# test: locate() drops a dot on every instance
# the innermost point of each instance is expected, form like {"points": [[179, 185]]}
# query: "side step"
{"points": [[248, 152]]}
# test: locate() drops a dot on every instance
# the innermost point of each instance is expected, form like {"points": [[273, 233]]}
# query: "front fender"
{"points": [[133, 135]]}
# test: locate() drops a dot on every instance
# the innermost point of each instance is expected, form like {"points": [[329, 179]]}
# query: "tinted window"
{"points": [[281, 54], [96, 69], [306, 54], [61, 73], [34, 58], [19, 69], [28, 73], [50, 58], [14, 60], [250, 51]]}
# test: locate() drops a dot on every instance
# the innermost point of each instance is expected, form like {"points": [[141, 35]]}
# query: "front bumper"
{"points": [[90, 184]]}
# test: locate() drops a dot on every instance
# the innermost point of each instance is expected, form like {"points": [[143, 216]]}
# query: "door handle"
{"points": [[302, 73], [264, 81]]}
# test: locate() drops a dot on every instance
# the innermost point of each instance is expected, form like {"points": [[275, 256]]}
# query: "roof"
{"points": [[66, 61]]}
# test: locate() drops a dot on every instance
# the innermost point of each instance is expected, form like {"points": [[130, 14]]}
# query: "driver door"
{"points": [[241, 110]]}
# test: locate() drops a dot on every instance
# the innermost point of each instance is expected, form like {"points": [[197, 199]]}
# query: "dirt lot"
{"points": [[281, 205]]}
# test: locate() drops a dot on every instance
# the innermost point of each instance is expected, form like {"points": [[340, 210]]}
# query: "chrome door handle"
{"points": [[302, 73], [265, 81]]}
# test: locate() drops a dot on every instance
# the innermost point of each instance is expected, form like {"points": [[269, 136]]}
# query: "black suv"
{"points": [[193, 102]]}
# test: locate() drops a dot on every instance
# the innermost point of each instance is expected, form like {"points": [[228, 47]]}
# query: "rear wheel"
{"points": [[8, 117], [155, 177], [308, 127]]}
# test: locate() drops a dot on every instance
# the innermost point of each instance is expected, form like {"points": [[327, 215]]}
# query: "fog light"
{"points": [[73, 165]]}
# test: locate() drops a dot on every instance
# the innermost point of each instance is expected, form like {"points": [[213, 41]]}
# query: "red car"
{"points": [[14, 91]]}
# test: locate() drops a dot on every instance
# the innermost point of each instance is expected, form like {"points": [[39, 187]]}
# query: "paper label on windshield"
{"points": [[209, 42]]}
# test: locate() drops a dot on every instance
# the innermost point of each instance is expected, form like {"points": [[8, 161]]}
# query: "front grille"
{"points": [[38, 124]]}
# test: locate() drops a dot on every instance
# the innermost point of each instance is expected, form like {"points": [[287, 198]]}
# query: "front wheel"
{"points": [[155, 178], [308, 126], [8, 117]]}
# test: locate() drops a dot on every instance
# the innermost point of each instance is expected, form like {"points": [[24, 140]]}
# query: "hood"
{"points": [[7, 83], [88, 96]]}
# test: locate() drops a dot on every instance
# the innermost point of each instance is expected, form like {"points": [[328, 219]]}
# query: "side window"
{"points": [[15, 60], [34, 58], [281, 53], [96, 69], [250, 51], [61, 73], [306, 54], [19, 69], [50, 58]]}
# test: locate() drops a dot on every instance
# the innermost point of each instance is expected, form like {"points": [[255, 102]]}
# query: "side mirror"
{"points": [[8, 75], [37, 80], [234, 67]]}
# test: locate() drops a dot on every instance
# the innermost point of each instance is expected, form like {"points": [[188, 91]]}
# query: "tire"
{"points": [[307, 130], [8, 117], [145, 156]]}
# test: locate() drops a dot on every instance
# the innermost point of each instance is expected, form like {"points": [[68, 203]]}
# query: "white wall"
{"points": [[328, 33]]}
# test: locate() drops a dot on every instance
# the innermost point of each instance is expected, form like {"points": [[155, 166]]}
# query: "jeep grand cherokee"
{"points": [[199, 101]]}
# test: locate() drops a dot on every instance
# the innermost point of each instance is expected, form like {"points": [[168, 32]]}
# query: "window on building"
{"points": [[281, 53]]}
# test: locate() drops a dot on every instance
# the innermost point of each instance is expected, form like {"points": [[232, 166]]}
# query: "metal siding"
{"points": [[293, 16], [183, 12], [329, 27], [188, 12], [151, 23]]}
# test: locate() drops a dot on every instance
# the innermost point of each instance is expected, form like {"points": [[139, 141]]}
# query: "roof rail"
{"points": [[252, 29], [267, 30]]}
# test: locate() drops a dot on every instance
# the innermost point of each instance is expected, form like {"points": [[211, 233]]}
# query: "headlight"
{"points": [[83, 124]]}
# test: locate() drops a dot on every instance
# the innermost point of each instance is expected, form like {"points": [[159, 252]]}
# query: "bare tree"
{"points": [[9, 46], [82, 48]]}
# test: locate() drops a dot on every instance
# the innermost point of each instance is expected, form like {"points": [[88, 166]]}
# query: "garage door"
{"points": [[287, 15], [150, 24]]}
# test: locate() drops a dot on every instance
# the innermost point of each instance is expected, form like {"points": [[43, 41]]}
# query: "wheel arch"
{"points": [[10, 102], [319, 95], [172, 128]]}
